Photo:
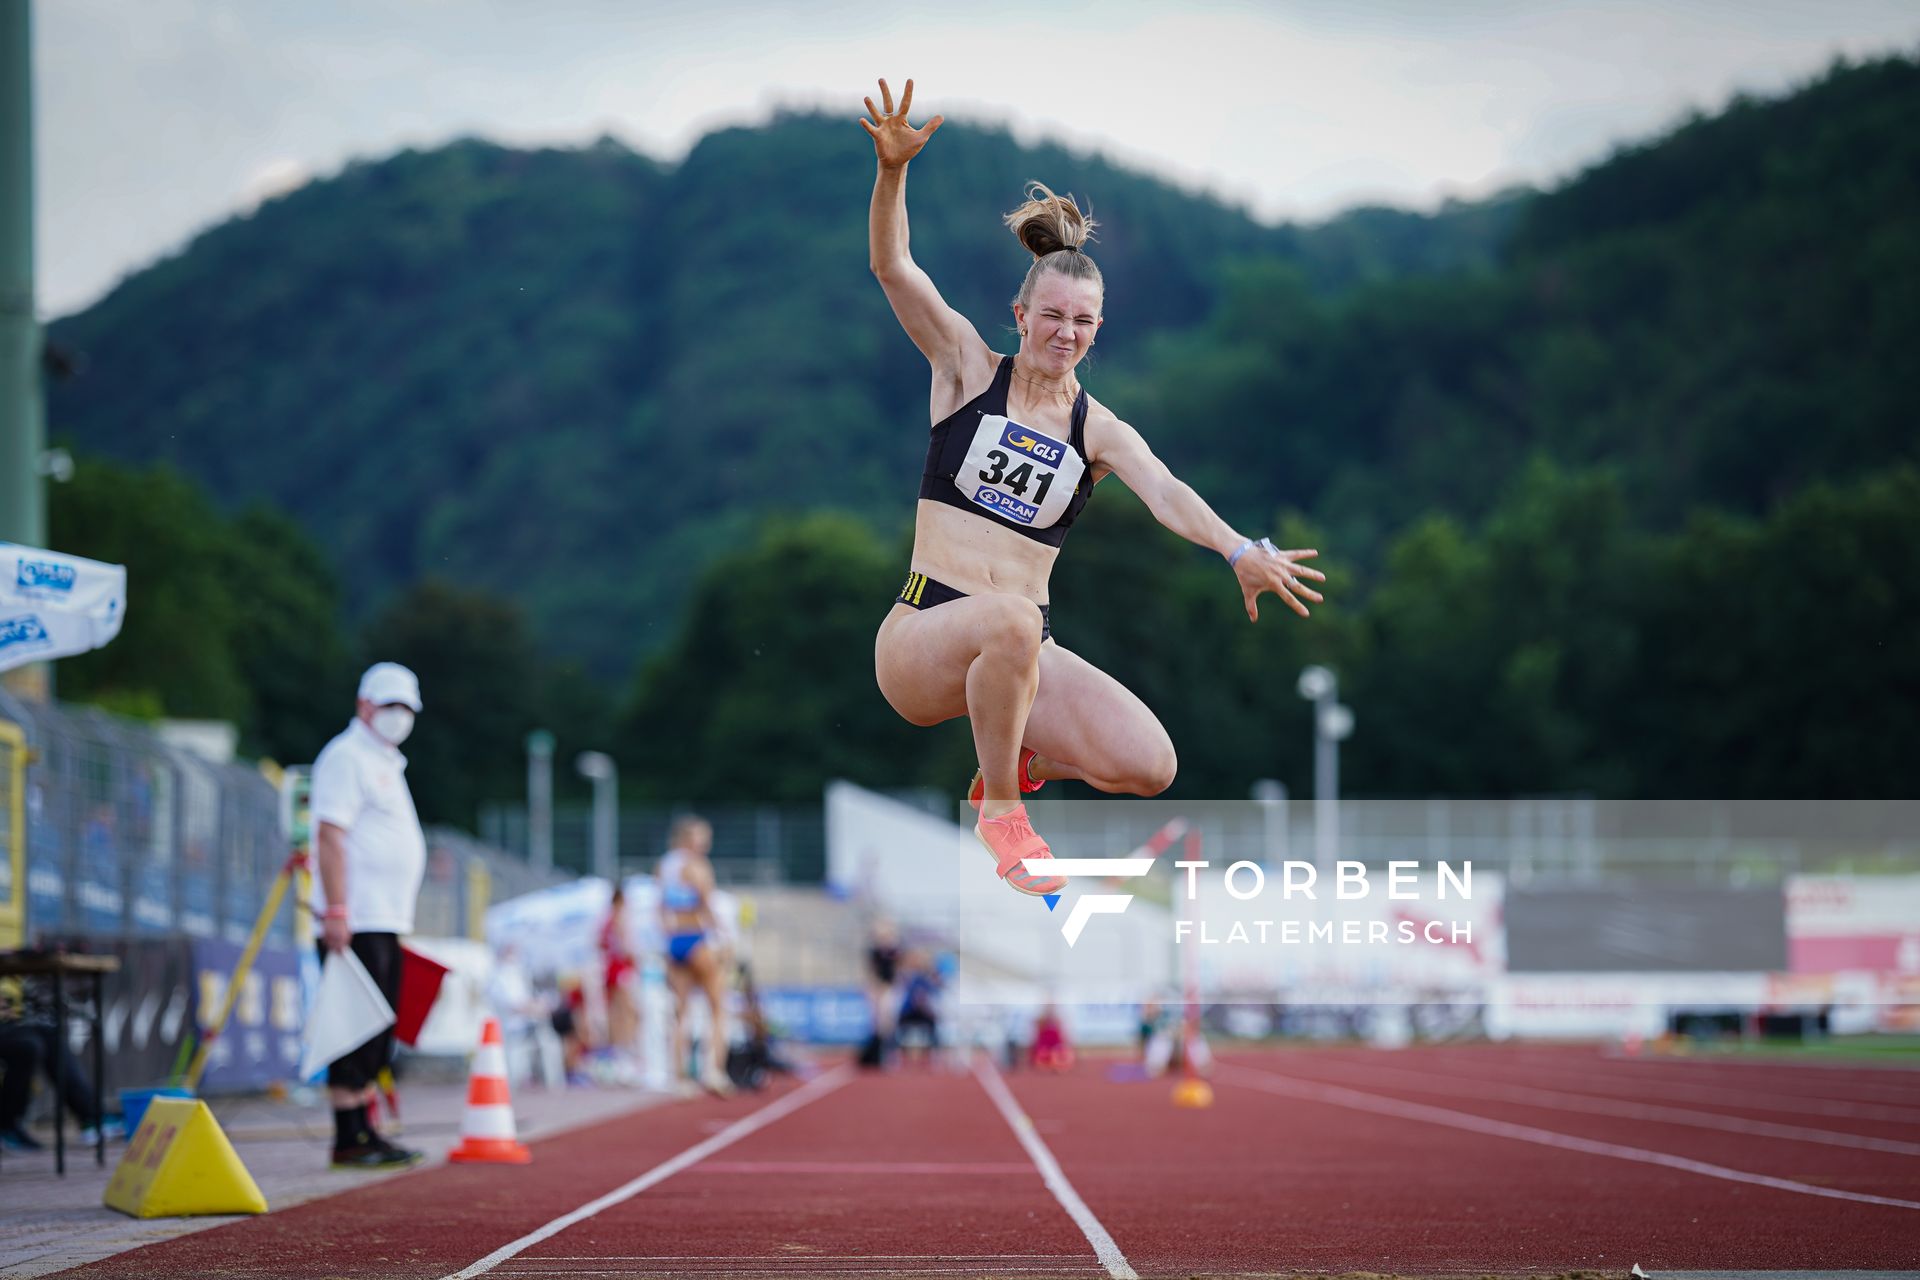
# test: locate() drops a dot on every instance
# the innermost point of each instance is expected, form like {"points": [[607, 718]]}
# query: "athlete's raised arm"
{"points": [[942, 334], [1256, 563]]}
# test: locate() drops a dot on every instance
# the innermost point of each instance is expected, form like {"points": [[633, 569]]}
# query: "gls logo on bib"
{"points": [[1021, 440]]}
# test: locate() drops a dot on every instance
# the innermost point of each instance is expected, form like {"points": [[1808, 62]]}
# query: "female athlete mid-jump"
{"points": [[1017, 448]]}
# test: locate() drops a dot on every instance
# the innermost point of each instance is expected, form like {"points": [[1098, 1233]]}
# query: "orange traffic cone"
{"points": [[486, 1129]]}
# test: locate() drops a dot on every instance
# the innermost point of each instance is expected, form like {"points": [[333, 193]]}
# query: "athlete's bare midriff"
{"points": [[974, 554]]}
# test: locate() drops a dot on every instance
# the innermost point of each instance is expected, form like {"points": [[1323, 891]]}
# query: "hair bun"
{"points": [[1048, 223]]}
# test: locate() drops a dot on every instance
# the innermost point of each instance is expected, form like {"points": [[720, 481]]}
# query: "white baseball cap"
{"points": [[387, 682]]}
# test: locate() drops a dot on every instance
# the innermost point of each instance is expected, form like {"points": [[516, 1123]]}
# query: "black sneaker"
{"points": [[14, 1138], [371, 1156], [412, 1157]]}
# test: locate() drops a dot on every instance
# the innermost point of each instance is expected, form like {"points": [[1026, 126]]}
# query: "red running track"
{"points": [[1481, 1159]]}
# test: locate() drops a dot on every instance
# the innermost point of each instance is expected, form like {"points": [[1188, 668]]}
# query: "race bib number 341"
{"points": [[1018, 473]]}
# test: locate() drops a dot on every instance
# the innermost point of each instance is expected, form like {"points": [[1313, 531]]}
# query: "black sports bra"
{"points": [[981, 461]]}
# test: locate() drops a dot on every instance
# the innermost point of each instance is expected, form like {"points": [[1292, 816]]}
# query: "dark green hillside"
{"points": [[1601, 475], [1726, 315], [574, 376]]}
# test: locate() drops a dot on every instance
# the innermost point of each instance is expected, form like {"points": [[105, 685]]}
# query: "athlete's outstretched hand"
{"points": [[894, 140], [1261, 570]]}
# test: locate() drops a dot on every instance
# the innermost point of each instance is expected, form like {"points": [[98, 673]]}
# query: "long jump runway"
{"points": [[1432, 1161]]}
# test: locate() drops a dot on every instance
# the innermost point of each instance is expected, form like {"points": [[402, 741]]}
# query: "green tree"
{"points": [[1491, 661], [175, 648], [287, 641], [481, 688], [1783, 662], [227, 619], [767, 690]]}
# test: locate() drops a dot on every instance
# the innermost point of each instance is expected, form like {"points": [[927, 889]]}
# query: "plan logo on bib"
{"points": [[1089, 905], [1006, 504]]}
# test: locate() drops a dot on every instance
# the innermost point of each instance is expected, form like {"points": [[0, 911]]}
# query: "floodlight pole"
{"points": [[23, 516], [1271, 795], [1332, 723], [540, 800], [598, 767], [23, 424]]}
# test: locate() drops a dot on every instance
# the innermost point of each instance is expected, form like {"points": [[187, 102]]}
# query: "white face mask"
{"points": [[393, 724]]}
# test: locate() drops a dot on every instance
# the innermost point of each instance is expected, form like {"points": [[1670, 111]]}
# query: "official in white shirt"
{"points": [[372, 856]]}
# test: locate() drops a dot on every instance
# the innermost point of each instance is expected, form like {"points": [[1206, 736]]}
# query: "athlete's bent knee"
{"points": [[1015, 624], [1158, 775], [916, 717]]}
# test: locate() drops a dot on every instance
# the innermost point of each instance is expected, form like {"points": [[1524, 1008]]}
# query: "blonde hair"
{"points": [[1052, 228], [679, 835]]}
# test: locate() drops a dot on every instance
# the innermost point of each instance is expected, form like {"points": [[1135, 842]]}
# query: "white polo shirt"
{"points": [[360, 786]]}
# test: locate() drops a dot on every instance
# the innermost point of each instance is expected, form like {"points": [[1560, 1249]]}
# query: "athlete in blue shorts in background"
{"points": [[696, 952]]}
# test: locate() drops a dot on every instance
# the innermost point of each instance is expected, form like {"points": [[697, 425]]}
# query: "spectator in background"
{"points": [[524, 1020], [372, 857], [1150, 1016], [570, 1024], [1051, 1051], [620, 974], [883, 973], [19, 1056], [919, 1022], [27, 1031]]}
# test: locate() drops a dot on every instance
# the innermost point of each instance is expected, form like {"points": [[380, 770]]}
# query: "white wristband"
{"points": [[1266, 544]]}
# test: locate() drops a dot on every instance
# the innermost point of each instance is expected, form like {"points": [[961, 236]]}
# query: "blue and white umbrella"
{"points": [[54, 605]]}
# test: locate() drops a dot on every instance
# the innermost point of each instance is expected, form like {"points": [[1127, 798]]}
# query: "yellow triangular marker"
{"points": [[180, 1163]]}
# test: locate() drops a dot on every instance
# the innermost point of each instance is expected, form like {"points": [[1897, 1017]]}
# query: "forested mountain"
{"points": [[571, 377], [1619, 484], [1724, 315]]}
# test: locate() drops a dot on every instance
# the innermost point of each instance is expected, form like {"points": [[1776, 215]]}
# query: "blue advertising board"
{"points": [[261, 1042], [818, 1015]]}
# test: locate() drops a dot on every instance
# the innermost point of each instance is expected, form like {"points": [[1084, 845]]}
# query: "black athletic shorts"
{"points": [[923, 592], [380, 952]]}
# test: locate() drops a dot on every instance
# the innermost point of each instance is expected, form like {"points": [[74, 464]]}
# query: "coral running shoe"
{"points": [[977, 792], [1011, 840]]}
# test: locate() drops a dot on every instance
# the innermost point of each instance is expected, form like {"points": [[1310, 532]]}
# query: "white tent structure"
{"points": [[54, 605]]}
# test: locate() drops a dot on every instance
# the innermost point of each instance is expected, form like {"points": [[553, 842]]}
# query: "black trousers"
{"points": [[380, 952], [24, 1044]]}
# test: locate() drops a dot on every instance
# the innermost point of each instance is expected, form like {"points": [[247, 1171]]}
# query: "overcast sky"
{"points": [[158, 118]]}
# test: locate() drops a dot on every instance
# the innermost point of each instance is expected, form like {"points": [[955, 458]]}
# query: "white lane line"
{"points": [[811, 1257], [881, 1168], [1428, 1082], [1783, 1275], [1103, 1246], [1053, 1269], [1612, 1082], [750, 1123], [1383, 1105]]}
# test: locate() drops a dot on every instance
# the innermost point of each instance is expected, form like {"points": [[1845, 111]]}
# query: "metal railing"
{"points": [[752, 843], [127, 836], [107, 831]]}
